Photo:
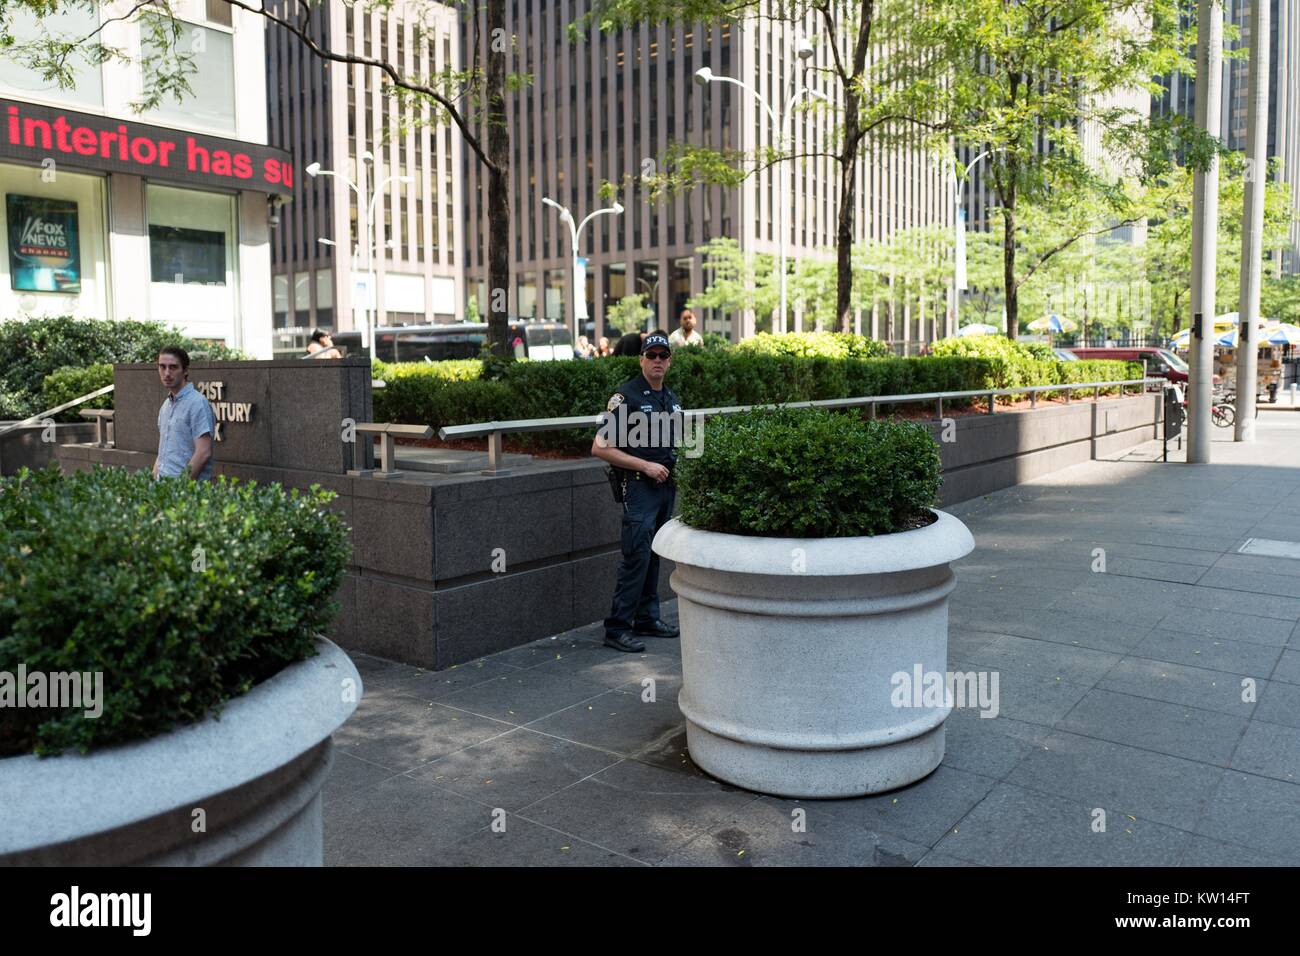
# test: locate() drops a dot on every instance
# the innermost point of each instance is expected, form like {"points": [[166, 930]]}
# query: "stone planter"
{"points": [[255, 773], [790, 647]]}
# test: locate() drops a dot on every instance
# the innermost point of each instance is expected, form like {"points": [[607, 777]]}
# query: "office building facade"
{"points": [[403, 163], [164, 215], [1179, 97], [606, 108]]}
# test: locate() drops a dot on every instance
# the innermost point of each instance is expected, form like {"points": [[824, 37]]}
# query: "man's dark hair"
{"points": [[319, 335], [182, 356]]}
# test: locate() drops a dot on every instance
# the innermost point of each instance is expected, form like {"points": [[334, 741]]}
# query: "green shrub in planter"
{"points": [[809, 473], [66, 384], [182, 594], [31, 349]]}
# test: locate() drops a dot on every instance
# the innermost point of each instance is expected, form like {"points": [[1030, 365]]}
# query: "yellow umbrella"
{"points": [[1053, 323]]}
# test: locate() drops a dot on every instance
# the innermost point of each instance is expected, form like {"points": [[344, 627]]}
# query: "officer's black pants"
{"points": [[647, 508]]}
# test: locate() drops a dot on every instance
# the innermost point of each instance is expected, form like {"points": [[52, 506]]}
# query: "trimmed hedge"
{"points": [[809, 473], [182, 594], [702, 378], [31, 349], [448, 370], [816, 345]]}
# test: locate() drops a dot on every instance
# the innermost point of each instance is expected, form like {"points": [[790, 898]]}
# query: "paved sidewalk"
{"points": [[1120, 691]]}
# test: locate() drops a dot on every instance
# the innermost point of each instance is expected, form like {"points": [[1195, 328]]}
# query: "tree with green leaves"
{"points": [[1052, 91], [1168, 250], [739, 280], [884, 63], [630, 313], [473, 99]]}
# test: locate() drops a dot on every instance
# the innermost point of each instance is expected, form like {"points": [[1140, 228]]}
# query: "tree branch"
{"points": [[1061, 247], [832, 39], [394, 77]]}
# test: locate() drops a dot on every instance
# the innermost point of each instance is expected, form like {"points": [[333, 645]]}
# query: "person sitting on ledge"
{"points": [[321, 346]]}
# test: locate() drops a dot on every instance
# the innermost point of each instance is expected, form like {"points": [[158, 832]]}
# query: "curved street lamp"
{"points": [[704, 76], [575, 234], [314, 170]]}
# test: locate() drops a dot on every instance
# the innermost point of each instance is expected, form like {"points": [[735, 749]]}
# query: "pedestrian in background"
{"points": [[321, 346], [630, 344], [685, 333]]}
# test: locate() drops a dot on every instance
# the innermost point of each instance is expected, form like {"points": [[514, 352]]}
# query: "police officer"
{"points": [[632, 441]]}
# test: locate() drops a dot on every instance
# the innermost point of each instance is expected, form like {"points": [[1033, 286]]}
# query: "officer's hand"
{"points": [[656, 471]]}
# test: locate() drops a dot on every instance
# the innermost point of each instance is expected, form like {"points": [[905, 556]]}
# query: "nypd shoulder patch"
{"points": [[614, 401]]}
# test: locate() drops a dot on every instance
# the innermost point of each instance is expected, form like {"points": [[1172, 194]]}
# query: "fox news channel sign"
{"points": [[37, 134], [44, 252]]}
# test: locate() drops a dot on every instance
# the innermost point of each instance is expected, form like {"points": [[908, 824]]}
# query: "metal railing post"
{"points": [[990, 403], [387, 453], [495, 453]]}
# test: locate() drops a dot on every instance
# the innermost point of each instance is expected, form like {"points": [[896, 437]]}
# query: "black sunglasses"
{"points": [[658, 356]]}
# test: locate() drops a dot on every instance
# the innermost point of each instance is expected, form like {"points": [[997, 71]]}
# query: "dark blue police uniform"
{"points": [[647, 506]]}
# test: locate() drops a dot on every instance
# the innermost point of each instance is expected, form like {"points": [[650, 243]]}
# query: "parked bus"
{"points": [[538, 341]]}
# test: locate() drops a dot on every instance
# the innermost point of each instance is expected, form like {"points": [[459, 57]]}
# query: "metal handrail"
{"points": [[40, 416], [494, 430]]}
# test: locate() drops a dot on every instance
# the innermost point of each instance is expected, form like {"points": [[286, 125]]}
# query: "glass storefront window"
{"points": [[555, 292], [211, 75], [526, 295], [192, 259], [190, 235], [68, 23], [280, 300]]}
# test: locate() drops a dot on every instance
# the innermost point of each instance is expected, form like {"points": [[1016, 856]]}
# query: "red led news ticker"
{"points": [[39, 133]]}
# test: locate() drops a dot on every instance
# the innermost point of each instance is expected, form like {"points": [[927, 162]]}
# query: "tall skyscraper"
{"points": [[1179, 97], [338, 115], [607, 107]]}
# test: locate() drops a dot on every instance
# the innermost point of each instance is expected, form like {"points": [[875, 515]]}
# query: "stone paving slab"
{"points": [[1122, 692]]}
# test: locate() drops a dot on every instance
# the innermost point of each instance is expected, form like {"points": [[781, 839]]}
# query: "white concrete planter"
{"points": [[788, 650], [256, 773]]}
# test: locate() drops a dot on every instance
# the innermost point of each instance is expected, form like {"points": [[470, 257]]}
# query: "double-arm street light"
{"points": [[704, 76], [315, 170], [575, 235]]}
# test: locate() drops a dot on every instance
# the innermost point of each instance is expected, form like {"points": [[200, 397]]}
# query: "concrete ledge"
{"points": [[26, 447]]}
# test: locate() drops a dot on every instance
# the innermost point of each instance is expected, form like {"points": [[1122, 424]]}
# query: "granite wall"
{"points": [[286, 413]]}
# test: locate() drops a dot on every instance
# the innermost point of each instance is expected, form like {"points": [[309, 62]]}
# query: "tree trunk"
{"points": [[1009, 268], [498, 150], [848, 160], [844, 226]]}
